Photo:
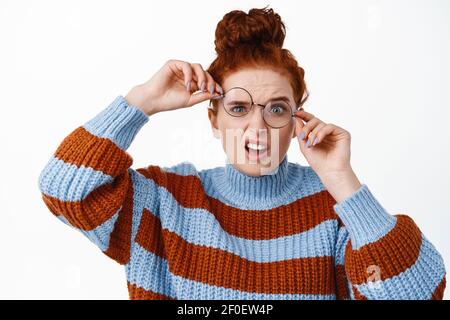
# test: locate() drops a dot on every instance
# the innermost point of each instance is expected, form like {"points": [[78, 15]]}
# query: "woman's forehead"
{"points": [[259, 82]]}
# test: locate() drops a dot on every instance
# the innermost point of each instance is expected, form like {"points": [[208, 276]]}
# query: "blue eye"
{"points": [[277, 109], [233, 109]]}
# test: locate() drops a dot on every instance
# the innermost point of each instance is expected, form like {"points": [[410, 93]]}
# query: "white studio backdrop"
{"points": [[379, 69]]}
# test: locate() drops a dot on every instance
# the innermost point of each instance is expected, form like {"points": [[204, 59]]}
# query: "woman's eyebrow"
{"points": [[283, 98]]}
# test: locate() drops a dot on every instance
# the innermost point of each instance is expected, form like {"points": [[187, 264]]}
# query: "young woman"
{"points": [[259, 227]]}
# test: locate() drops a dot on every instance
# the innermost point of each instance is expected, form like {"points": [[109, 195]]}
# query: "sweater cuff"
{"points": [[119, 122], [364, 217]]}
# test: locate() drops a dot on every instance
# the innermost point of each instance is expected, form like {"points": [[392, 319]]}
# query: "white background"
{"points": [[380, 69]]}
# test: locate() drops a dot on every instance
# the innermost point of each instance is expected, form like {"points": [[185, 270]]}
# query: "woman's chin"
{"points": [[264, 166]]}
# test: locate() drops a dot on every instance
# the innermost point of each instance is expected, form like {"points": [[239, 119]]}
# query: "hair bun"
{"points": [[258, 27]]}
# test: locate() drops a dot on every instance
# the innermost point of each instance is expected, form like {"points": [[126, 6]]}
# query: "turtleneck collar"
{"points": [[266, 190]]}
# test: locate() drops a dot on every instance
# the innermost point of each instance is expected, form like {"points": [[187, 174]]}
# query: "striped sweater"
{"points": [[217, 233]]}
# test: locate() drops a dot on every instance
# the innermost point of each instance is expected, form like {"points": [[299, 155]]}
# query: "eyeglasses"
{"points": [[238, 102]]}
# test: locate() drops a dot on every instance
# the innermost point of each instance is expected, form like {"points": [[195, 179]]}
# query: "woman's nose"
{"points": [[256, 117]]}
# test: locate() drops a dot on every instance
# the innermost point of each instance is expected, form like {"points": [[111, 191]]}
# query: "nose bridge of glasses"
{"points": [[264, 114], [260, 105], [262, 110]]}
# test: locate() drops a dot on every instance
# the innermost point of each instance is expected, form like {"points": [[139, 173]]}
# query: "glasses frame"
{"points": [[293, 113]]}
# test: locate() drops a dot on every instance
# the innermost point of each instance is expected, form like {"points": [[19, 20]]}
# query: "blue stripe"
{"points": [[184, 169], [68, 182], [316, 242], [416, 283], [364, 217], [119, 122], [152, 273], [142, 194], [309, 184]]}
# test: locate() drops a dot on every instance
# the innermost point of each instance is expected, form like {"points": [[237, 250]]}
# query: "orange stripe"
{"points": [[438, 294], [341, 283], [296, 217], [393, 253], [149, 235], [220, 268], [357, 294], [224, 269], [82, 148], [137, 293], [120, 238], [99, 205]]}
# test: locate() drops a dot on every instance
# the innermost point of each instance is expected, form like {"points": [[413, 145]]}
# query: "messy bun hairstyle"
{"points": [[255, 39]]}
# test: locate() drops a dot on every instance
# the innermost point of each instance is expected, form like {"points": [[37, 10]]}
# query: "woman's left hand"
{"points": [[325, 146]]}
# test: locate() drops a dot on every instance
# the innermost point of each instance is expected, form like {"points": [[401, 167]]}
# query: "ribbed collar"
{"points": [[247, 191]]}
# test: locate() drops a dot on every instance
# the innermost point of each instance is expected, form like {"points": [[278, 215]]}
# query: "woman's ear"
{"points": [[213, 120], [294, 134], [298, 126]]}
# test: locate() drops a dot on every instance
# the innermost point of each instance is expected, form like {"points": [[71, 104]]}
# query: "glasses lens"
{"points": [[237, 102], [277, 113]]}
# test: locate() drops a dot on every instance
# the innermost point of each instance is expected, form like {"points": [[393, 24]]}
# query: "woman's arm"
{"points": [[87, 183], [384, 256]]}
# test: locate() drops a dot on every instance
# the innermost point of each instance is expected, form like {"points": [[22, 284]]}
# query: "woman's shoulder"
{"points": [[183, 168], [164, 175]]}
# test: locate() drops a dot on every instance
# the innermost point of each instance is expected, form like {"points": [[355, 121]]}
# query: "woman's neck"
{"points": [[242, 189]]}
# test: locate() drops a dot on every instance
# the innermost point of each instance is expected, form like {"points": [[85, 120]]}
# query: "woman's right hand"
{"points": [[172, 87]]}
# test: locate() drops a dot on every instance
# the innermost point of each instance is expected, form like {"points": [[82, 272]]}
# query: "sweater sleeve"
{"points": [[88, 182], [383, 256]]}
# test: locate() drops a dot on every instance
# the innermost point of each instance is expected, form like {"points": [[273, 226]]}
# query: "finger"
{"points": [[308, 127], [219, 89], [205, 95], [323, 132], [194, 86], [186, 70], [200, 97], [312, 137], [185, 67], [200, 76], [304, 115], [212, 84], [298, 126]]}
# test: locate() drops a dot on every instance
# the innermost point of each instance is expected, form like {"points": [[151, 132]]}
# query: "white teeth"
{"points": [[254, 146]]}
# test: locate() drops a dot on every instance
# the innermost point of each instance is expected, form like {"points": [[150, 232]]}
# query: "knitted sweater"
{"points": [[183, 233]]}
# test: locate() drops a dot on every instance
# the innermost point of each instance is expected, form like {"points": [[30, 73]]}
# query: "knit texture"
{"points": [[183, 233]]}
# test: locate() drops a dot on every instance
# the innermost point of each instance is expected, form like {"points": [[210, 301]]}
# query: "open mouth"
{"points": [[256, 151]]}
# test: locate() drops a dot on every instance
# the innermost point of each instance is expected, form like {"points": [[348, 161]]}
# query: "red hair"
{"points": [[255, 40]]}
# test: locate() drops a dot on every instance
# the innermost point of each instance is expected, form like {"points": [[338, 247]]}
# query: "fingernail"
{"points": [[301, 135], [220, 90], [307, 143], [315, 141], [211, 88], [202, 87], [188, 86]]}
